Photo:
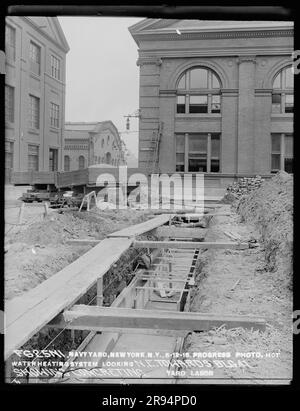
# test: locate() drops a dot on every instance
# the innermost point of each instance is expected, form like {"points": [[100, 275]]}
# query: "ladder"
{"points": [[153, 149]]}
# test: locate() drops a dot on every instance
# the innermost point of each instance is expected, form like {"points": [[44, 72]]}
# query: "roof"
{"points": [[82, 129], [50, 28]]}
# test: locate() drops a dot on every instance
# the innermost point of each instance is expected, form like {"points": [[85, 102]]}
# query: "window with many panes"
{"points": [[9, 104], [53, 159], [55, 67], [10, 42], [35, 58], [34, 112], [54, 115], [33, 157], [282, 152], [198, 152], [198, 91], [283, 92]]}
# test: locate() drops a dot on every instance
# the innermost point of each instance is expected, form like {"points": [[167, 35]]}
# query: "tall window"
{"points": [[67, 163], [10, 42], [198, 91], [282, 152], [55, 67], [81, 162], [198, 152], [33, 157], [53, 159], [54, 115], [9, 154], [35, 58], [34, 112], [283, 92], [9, 104]]}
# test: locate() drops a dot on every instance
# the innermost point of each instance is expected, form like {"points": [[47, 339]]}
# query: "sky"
{"points": [[102, 78]]}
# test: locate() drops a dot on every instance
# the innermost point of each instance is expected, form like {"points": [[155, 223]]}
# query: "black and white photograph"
{"points": [[148, 200]]}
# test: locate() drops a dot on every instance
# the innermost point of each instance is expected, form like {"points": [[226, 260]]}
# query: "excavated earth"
{"points": [[255, 281]]}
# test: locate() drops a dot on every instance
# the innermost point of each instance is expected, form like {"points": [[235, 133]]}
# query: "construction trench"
{"points": [[148, 313]]}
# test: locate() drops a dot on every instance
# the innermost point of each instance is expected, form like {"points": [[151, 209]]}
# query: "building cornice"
{"points": [[226, 51]]}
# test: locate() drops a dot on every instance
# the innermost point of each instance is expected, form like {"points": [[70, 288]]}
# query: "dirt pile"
{"points": [[270, 208], [56, 228]]}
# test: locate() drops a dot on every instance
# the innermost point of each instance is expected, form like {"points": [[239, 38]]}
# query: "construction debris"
{"points": [[244, 186]]}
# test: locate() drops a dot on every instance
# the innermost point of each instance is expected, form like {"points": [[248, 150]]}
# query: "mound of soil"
{"points": [[40, 250], [270, 209]]}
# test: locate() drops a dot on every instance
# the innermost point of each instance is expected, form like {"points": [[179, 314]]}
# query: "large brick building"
{"points": [[93, 143], [223, 92], [34, 94]]}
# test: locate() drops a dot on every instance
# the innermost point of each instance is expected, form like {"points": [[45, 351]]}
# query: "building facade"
{"points": [[35, 49], [222, 92], [87, 144]]}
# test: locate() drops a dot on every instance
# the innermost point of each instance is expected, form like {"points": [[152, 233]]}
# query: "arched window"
{"points": [[198, 91], [283, 92], [67, 163], [107, 139], [102, 143], [81, 162]]}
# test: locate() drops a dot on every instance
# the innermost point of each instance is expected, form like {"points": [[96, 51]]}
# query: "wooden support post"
{"points": [[100, 291], [46, 207], [73, 336]]}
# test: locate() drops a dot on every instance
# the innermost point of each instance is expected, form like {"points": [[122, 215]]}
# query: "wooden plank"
{"points": [[123, 330], [179, 232], [51, 297], [146, 287], [189, 244], [97, 318], [142, 228]]}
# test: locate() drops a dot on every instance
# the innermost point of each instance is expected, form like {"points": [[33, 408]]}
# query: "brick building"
{"points": [[223, 92], [35, 50], [87, 144]]}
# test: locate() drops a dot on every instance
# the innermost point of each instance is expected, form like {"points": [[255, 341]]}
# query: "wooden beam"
{"points": [[142, 228], [82, 317], [178, 232], [190, 244]]}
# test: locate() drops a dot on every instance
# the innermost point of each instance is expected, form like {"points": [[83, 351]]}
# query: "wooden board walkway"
{"points": [[142, 228]]}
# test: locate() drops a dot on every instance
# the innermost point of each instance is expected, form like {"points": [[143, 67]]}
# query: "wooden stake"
{"points": [[21, 212], [100, 291]]}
